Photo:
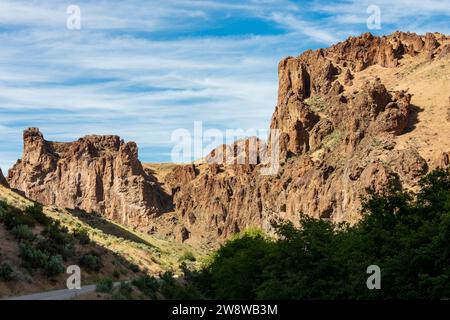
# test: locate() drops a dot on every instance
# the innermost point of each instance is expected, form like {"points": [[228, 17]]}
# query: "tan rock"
{"points": [[99, 174], [3, 181]]}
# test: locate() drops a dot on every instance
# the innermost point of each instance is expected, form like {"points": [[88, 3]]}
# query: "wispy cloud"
{"points": [[141, 69]]}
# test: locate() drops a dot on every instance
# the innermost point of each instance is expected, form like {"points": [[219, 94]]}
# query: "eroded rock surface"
{"points": [[99, 174], [3, 181], [342, 130]]}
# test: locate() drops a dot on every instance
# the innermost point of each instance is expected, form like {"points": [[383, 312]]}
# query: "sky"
{"points": [[142, 69]]}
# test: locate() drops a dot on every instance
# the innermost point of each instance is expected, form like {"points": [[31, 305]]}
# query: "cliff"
{"points": [[100, 174], [357, 115]]}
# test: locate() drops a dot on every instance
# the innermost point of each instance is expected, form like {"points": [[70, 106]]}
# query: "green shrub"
{"points": [[187, 256], [23, 232], [33, 258], [13, 217], [37, 213], [54, 266], [6, 272], [51, 248], [123, 292], [171, 289], [58, 234], [134, 267], [406, 234], [105, 285], [91, 261], [82, 236], [116, 274], [148, 285]]}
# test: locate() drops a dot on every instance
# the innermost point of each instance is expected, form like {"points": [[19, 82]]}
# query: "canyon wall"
{"points": [[346, 123], [100, 174]]}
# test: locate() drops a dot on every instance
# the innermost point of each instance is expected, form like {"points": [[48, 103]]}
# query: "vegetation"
{"points": [[82, 236], [22, 232], [105, 285], [148, 285], [406, 234], [92, 261], [6, 272]]}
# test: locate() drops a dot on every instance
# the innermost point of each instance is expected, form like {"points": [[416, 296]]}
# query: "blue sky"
{"points": [[141, 69]]}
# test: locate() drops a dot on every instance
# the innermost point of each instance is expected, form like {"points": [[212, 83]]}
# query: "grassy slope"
{"points": [[116, 243]]}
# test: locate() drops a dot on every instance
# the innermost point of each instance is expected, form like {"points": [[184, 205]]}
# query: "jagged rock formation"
{"points": [[3, 181], [357, 115], [99, 174], [339, 134]]}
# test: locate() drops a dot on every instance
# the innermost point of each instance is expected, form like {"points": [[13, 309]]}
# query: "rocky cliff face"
{"points": [[99, 174], [342, 132], [357, 115], [3, 181]]}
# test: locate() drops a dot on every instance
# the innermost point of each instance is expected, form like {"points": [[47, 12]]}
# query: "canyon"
{"points": [[359, 115]]}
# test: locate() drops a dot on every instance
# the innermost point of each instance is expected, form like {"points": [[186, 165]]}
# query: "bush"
{"points": [[54, 266], [171, 289], [123, 292], [92, 261], [187, 256], [52, 248], [23, 232], [148, 285], [82, 236], [406, 234], [36, 212], [6, 272], [105, 285], [13, 217], [33, 258], [58, 234]]}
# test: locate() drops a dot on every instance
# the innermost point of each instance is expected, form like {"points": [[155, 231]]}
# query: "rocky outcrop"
{"points": [[99, 174], [3, 181], [335, 143], [339, 135]]}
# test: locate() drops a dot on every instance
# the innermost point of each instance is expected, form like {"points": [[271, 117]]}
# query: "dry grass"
{"points": [[117, 244]]}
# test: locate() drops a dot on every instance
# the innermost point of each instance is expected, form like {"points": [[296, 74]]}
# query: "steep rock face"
{"points": [[3, 181], [99, 174], [337, 138], [344, 123]]}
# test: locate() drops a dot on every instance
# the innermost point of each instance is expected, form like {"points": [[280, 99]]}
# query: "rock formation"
{"points": [[3, 181], [345, 125], [338, 138], [99, 174]]}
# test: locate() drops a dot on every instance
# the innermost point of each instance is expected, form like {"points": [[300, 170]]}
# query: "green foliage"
{"points": [[173, 289], [407, 235], [22, 232], [123, 292], [91, 261], [187, 256], [105, 285], [148, 285], [54, 266], [82, 236], [57, 241], [35, 211], [6, 272], [13, 217], [33, 258]]}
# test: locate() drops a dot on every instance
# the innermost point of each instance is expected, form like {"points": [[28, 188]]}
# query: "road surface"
{"points": [[64, 294]]}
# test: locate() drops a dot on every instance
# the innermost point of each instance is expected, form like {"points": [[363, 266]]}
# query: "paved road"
{"points": [[64, 294]]}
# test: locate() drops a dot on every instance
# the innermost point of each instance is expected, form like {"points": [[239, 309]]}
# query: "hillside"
{"points": [[124, 253]]}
